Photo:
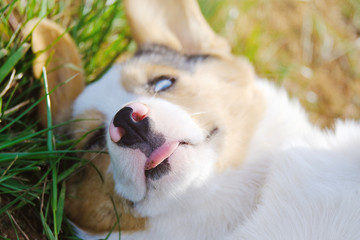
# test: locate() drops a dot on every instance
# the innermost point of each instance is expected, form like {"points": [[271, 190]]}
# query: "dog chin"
{"points": [[191, 167], [127, 168]]}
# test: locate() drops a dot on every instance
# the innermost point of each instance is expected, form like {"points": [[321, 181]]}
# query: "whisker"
{"points": [[198, 113], [182, 204], [170, 137], [154, 95]]}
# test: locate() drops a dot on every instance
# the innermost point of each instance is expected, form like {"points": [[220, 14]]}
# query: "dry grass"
{"points": [[310, 47]]}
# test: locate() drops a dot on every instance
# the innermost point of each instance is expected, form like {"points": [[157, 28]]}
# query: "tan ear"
{"points": [[62, 62], [177, 24]]}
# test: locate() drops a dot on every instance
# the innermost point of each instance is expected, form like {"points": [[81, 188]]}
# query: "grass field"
{"points": [[312, 48]]}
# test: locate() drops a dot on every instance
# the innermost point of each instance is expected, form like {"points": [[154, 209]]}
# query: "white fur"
{"points": [[106, 95], [312, 189], [298, 182]]}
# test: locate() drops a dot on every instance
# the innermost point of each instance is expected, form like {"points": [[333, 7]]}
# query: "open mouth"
{"points": [[160, 154], [157, 164]]}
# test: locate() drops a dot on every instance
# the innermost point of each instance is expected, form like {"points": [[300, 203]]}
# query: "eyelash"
{"points": [[166, 81]]}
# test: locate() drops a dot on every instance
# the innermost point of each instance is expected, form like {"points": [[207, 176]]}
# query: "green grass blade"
{"points": [[60, 207], [30, 157], [47, 229], [43, 9], [51, 148], [13, 60]]}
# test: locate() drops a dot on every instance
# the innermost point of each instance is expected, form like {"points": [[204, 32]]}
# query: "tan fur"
{"points": [[177, 24], [89, 200], [236, 96], [65, 64], [86, 122]]}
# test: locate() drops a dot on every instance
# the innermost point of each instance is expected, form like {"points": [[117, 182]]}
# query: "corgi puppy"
{"points": [[188, 143]]}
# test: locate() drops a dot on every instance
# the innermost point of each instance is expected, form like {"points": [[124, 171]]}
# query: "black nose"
{"points": [[135, 131]]}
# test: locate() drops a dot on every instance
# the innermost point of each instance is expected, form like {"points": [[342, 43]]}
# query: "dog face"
{"points": [[178, 113], [179, 118]]}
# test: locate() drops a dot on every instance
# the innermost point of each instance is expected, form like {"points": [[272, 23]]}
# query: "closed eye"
{"points": [[162, 83]]}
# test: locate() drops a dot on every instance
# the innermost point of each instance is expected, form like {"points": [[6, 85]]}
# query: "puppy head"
{"points": [[179, 112], [186, 108]]}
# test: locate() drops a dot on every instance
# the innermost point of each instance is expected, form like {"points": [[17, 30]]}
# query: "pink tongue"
{"points": [[160, 154]]}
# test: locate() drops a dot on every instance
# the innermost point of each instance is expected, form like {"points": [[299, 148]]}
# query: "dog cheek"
{"points": [[174, 121], [192, 166]]}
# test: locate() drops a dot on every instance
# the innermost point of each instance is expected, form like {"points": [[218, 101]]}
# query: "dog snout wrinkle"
{"points": [[138, 134]]}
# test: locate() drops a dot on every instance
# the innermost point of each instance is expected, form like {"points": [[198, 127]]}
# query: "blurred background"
{"points": [[311, 47]]}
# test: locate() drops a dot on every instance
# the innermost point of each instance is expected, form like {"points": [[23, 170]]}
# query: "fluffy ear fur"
{"points": [[58, 53], [177, 24]]}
